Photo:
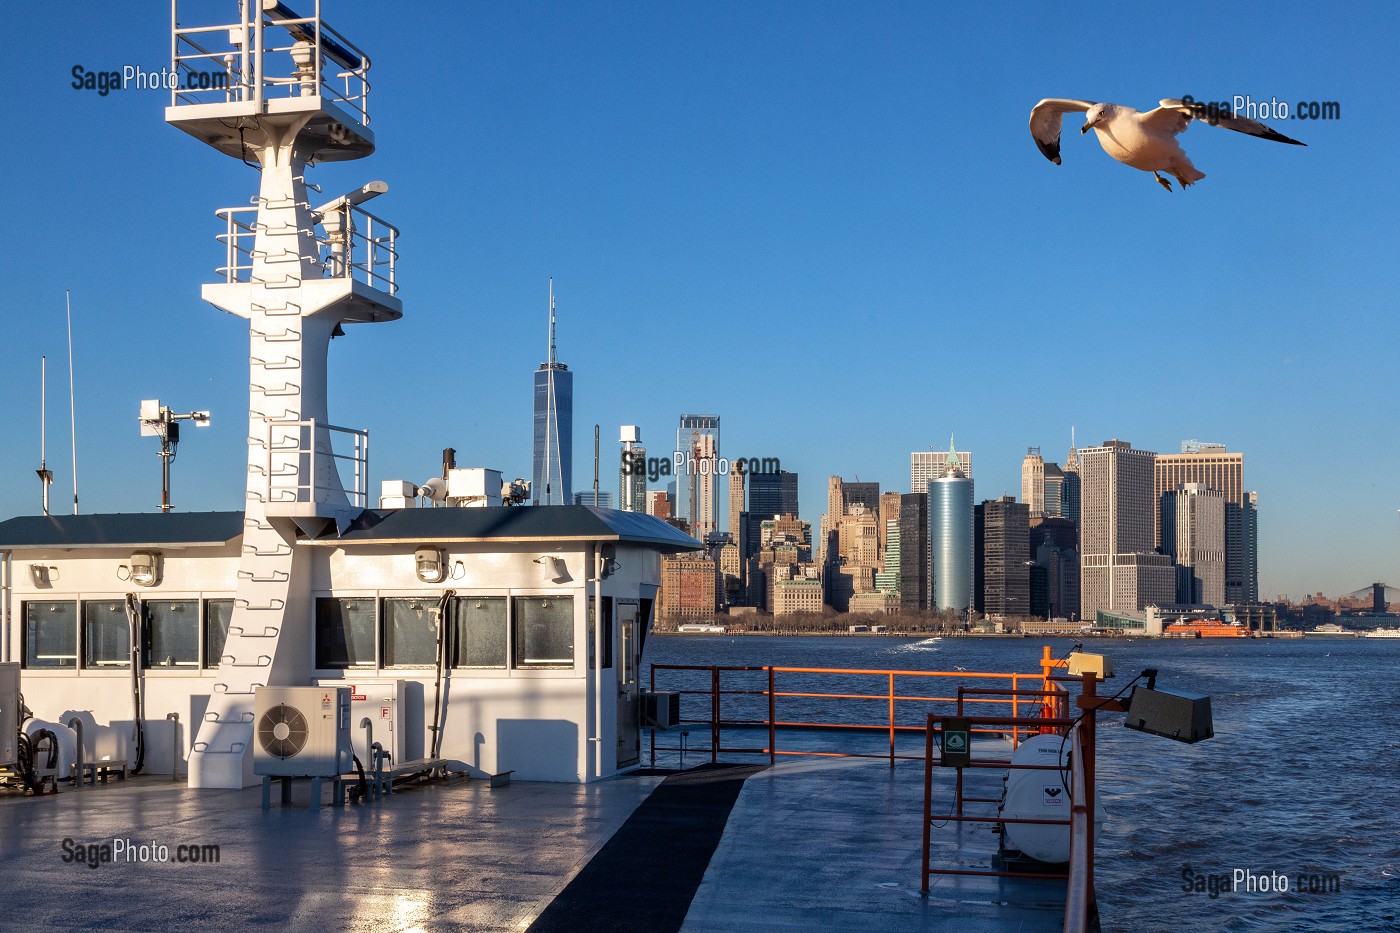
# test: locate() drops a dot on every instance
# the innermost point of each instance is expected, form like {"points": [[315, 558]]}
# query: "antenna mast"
{"points": [[72, 400], [45, 474], [551, 413]]}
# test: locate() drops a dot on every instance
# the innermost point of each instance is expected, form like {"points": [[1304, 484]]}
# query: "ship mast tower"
{"points": [[281, 91]]}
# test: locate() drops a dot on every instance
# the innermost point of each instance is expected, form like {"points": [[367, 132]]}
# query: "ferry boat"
{"points": [[479, 635], [1205, 629]]}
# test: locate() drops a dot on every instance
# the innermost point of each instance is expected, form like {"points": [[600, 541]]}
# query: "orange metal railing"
{"points": [[1057, 715], [1014, 705], [776, 693]]}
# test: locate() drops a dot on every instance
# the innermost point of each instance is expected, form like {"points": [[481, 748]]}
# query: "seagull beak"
{"points": [[1085, 128]]}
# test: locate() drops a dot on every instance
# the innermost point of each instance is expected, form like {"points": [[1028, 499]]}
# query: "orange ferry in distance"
{"points": [[1205, 629]]}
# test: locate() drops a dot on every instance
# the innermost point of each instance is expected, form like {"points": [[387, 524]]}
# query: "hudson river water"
{"points": [[1302, 777]]}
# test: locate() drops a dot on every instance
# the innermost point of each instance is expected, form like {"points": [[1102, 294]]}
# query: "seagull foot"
{"points": [[1162, 181]]}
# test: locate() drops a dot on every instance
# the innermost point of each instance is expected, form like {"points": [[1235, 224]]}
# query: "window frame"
{"points": [[384, 641], [317, 657], [85, 625], [28, 639], [148, 635], [577, 667]]}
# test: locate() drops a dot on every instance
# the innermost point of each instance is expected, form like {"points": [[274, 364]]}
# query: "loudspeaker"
{"points": [[1184, 717]]}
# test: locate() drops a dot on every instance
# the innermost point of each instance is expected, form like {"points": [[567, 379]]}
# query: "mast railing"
{"points": [[352, 244], [220, 63], [301, 453]]}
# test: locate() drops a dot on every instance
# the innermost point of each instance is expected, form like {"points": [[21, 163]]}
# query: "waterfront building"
{"points": [[1001, 568], [950, 540], [1192, 526], [799, 591], [688, 587], [913, 551], [1119, 567], [1215, 467], [1055, 572], [605, 498]]}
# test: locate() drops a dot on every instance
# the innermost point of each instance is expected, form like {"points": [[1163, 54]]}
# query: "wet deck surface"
{"points": [[811, 844]]}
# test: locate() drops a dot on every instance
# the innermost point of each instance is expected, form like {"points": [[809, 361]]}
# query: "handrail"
{"points": [[312, 442], [892, 699], [1079, 894], [312, 60]]}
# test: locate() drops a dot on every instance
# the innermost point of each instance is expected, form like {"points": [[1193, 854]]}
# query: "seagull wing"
{"points": [[1173, 116], [1045, 123]]}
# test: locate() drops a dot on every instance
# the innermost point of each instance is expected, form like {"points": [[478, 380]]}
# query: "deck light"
{"points": [[144, 569], [431, 564]]}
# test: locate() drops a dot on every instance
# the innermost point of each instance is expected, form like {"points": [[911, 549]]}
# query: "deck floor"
{"points": [[810, 844]]}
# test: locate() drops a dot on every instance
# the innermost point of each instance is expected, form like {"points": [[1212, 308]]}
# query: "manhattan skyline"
{"points": [[827, 225]]}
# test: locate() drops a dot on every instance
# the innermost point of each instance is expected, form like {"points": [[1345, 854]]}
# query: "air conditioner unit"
{"points": [[9, 714], [301, 731], [661, 708], [386, 705]]}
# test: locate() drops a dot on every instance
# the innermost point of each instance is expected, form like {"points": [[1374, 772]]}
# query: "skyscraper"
{"points": [[950, 539], [1002, 536], [737, 506], [1118, 567], [925, 465], [889, 511], [697, 478], [841, 495], [913, 551], [1033, 482], [1054, 491], [1072, 485], [1193, 534], [1212, 466], [770, 494], [552, 478]]}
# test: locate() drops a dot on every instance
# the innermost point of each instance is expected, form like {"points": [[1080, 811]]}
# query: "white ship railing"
{"points": [[221, 63], [300, 454], [362, 247]]}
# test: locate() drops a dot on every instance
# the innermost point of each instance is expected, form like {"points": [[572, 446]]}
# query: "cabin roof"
{"points": [[510, 523], [374, 526], [138, 529]]}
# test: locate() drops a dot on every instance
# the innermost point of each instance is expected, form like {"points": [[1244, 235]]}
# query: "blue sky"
{"points": [[826, 222]]}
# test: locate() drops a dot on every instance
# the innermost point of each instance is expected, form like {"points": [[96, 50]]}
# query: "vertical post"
{"points": [[1015, 707], [257, 17], [891, 677], [958, 784], [772, 719], [174, 745], [714, 715], [928, 796], [1089, 727]]}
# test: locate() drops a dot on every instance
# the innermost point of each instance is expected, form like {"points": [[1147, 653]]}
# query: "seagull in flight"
{"points": [[1145, 141]]}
